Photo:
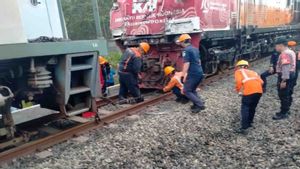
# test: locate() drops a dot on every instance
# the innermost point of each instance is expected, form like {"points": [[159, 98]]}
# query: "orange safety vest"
{"points": [[136, 53], [174, 82], [249, 81]]}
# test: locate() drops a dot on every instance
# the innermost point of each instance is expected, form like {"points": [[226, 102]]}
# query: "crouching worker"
{"points": [[175, 84], [251, 83], [129, 68]]}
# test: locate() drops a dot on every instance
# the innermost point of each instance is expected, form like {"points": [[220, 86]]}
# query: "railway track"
{"points": [[64, 135]]}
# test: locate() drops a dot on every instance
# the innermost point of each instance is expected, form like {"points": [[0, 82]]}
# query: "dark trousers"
{"points": [[264, 77], [108, 84], [249, 104], [177, 92], [190, 86], [128, 83], [286, 94]]}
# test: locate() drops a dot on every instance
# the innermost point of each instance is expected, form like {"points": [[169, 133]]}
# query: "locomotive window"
{"points": [[288, 3]]}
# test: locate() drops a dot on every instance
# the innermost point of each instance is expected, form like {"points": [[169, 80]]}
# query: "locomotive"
{"points": [[223, 30]]}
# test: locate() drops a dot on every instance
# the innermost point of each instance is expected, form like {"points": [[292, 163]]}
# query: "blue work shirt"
{"points": [[111, 76], [274, 59], [192, 55]]}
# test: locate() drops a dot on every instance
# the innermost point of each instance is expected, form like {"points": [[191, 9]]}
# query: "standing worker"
{"points": [[271, 71], [286, 66], [105, 71], [192, 72], [175, 84], [292, 45], [129, 68], [251, 83]]}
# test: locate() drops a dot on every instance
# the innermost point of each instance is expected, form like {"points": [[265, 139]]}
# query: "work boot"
{"points": [[139, 99], [178, 100], [243, 131], [198, 109], [123, 101], [193, 106], [280, 116], [184, 100]]}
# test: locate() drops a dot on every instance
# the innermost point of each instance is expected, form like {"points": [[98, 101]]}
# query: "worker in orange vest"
{"points": [[249, 85], [175, 84], [130, 67]]}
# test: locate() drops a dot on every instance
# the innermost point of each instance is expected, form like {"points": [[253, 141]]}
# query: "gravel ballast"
{"points": [[169, 136]]}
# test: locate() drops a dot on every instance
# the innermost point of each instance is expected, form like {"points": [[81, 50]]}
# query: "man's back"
{"points": [[192, 55], [130, 61], [249, 80]]}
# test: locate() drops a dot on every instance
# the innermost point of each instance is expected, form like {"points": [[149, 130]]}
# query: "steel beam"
{"points": [[15, 51]]}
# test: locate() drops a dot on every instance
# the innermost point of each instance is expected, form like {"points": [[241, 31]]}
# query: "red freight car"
{"points": [[224, 30]]}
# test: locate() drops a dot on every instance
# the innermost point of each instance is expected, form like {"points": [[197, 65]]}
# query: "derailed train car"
{"points": [[224, 30], [42, 71]]}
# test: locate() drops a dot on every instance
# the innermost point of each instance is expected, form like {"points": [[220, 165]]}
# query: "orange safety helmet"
{"points": [[145, 46], [102, 60], [292, 43], [168, 70], [183, 38]]}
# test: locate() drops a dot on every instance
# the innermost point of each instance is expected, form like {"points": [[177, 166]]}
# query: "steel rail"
{"points": [[51, 140]]}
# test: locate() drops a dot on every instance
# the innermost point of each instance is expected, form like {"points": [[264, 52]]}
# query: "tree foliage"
{"points": [[79, 18]]}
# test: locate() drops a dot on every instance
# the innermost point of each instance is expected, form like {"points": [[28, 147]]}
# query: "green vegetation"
{"points": [[114, 58], [80, 21]]}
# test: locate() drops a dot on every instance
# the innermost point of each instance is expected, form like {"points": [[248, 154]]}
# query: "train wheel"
{"points": [[224, 66], [209, 61], [254, 56]]}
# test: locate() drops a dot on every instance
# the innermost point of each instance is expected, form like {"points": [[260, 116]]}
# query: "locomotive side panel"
{"points": [[267, 13], [217, 15], [138, 17]]}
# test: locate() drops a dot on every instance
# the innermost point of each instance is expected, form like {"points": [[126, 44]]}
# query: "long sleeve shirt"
{"points": [[274, 59], [131, 61], [286, 63], [174, 82]]}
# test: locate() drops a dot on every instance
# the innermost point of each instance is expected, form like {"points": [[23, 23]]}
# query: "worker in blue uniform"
{"points": [[129, 68], [192, 72], [271, 71], [286, 67]]}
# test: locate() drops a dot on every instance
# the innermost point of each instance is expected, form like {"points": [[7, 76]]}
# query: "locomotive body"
{"points": [[223, 30]]}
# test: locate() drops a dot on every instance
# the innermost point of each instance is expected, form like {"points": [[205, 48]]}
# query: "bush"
{"points": [[114, 58]]}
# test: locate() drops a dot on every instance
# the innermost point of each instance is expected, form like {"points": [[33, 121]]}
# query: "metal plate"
{"points": [[15, 51], [31, 113]]}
